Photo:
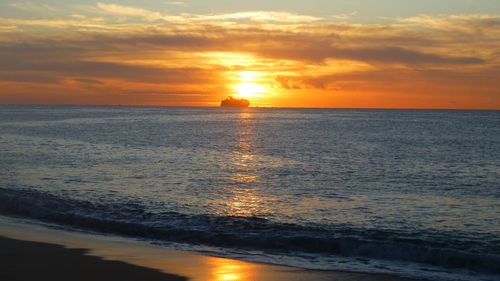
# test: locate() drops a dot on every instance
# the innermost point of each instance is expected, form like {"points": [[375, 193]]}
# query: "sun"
{"points": [[249, 87], [249, 90]]}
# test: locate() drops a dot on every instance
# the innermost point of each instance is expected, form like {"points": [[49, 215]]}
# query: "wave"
{"points": [[248, 233]]}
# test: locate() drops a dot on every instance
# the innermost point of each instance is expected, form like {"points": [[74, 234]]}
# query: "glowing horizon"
{"points": [[335, 54]]}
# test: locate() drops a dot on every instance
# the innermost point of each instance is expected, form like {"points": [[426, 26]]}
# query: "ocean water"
{"points": [[407, 192]]}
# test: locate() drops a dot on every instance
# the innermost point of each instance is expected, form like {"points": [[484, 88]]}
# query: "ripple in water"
{"points": [[412, 193]]}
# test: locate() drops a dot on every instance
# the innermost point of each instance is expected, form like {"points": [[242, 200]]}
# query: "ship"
{"points": [[234, 102]]}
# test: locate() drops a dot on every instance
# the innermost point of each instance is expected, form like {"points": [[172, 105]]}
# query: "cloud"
{"points": [[287, 83], [74, 24], [33, 7], [258, 16], [461, 23], [343, 16], [28, 77], [120, 10], [408, 81], [300, 47], [398, 55], [11, 28], [165, 57], [104, 70], [248, 16], [371, 44], [177, 3]]}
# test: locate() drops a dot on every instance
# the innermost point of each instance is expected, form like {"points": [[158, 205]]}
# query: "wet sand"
{"points": [[34, 252], [26, 260]]}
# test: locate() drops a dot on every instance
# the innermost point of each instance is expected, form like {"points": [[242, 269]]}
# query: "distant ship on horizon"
{"points": [[234, 102]]}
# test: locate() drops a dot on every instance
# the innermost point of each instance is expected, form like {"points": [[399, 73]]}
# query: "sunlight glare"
{"points": [[248, 76], [248, 90], [249, 86]]}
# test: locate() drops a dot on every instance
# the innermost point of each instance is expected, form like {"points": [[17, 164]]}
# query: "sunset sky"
{"points": [[328, 53]]}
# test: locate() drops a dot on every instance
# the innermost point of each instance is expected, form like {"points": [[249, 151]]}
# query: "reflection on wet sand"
{"points": [[228, 270]]}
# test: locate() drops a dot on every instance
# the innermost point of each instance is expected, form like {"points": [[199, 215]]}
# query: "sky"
{"points": [[315, 53]]}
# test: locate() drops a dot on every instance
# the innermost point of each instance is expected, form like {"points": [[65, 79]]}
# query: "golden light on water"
{"points": [[245, 199]]}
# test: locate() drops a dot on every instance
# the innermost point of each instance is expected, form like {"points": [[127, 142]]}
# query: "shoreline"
{"points": [[116, 256], [27, 260]]}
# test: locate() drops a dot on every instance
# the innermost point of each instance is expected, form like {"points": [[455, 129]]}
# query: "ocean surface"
{"points": [[407, 192]]}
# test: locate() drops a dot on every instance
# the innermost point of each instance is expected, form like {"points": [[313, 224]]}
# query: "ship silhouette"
{"points": [[234, 102]]}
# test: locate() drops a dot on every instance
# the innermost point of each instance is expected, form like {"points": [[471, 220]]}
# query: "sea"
{"points": [[413, 193]]}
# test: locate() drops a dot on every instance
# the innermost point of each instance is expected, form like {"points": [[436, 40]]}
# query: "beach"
{"points": [[250, 140], [30, 251], [25, 260]]}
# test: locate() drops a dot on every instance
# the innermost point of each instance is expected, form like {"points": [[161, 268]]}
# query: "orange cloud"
{"points": [[304, 61]]}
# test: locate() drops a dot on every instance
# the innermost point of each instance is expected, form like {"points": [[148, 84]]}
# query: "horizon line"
{"points": [[250, 107]]}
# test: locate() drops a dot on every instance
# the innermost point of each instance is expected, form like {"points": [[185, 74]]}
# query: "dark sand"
{"points": [[25, 260]]}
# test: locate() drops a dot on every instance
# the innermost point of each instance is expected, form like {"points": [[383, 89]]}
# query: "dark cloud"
{"points": [[28, 77], [387, 55], [399, 55], [287, 83], [407, 81], [88, 81], [309, 48], [46, 71], [72, 55]]}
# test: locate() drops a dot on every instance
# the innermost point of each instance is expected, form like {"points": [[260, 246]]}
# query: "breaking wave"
{"points": [[248, 233]]}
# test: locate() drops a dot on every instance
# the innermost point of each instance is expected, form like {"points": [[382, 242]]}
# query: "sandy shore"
{"points": [[34, 252], [26, 260]]}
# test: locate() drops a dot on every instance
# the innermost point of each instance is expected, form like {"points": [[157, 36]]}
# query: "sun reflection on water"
{"points": [[245, 198], [245, 203]]}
